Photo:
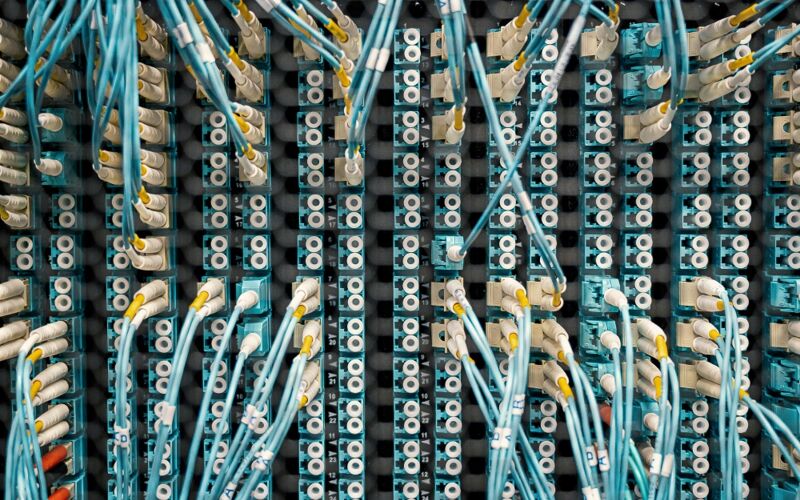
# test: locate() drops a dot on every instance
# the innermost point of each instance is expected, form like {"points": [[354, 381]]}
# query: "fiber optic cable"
{"points": [[464, 311], [489, 412], [531, 221], [529, 217], [207, 302], [305, 300], [257, 404], [244, 302]]}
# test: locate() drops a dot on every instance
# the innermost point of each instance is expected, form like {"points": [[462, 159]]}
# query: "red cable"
{"points": [[605, 413], [60, 494], [54, 457]]}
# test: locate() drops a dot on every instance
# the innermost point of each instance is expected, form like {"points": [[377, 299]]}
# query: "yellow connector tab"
{"points": [[563, 384], [743, 394], [458, 122], [141, 33], [520, 61], [458, 310], [513, 341], [242, 123], [741, 62], [523, 15], [299, 312], [613, 13], [133, 308], [35, 388], [137, 242], [661, 347], [659, 387], [199, 301], [343, 78], [522, 298], [144, 196], [303, 402], [237, 61], [557, 299], [744, 15], [306, 347], [250, 153], [337, 31], [195, 12], [35, 355]]}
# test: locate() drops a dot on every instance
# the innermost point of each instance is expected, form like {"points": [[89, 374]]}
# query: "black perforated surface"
{"points": [[379, 207]]}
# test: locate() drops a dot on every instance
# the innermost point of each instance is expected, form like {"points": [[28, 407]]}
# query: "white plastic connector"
{"points": [[615, 298], [608, 383], [454, 253], [13, 331], [708, 303], [12, 288], [703, 328], [648, 370], [659, 78], [313, 330], [55, 432], [650, 421], [49, 331], [150, 309], [704, 346], [511, 287], [649, 329], [250, 344], [54, 415], [254, 175], [647, 346], [247, 300], [456, 289], [311, 304], [511, 305], [607, 40], [52, 373], [716, 90], [654, 132], [49, 393], [451, 303], [716, 29], [152, 290], [554, 372], [715, 73], [610, 340], [310, 374], [456, 339], [211, 307], [213, 287], [793, 345], [709, 371], [708, 388], [354, 169], [150, 262], [49, 166], [552, 349], [708, 286], [306, 289]]}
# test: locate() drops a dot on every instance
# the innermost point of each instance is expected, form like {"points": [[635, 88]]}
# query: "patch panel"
{"points": [[516, 250]]}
